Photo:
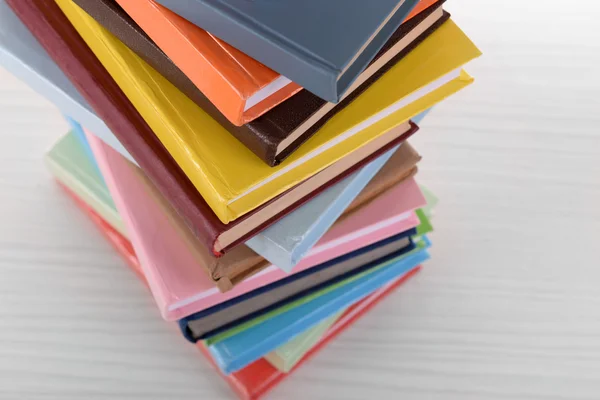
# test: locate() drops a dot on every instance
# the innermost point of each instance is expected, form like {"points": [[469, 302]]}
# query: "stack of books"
{"points": [[249, 159]]}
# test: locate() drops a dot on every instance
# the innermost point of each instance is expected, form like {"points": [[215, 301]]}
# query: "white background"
{"points": [[508, 308]]}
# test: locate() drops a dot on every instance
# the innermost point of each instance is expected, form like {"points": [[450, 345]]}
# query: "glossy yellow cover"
{"points": [[232, 180]]}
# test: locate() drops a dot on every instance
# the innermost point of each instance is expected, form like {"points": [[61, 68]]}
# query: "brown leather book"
{"points": [[278, 132]]}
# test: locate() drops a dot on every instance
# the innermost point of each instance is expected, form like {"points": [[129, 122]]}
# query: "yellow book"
{"points": [[232, 180]]}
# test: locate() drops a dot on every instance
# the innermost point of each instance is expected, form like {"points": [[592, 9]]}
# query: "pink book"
{"points": [[181, 286]]}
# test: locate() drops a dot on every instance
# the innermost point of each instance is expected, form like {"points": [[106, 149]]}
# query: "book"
{"points": [[68, 163], [280, 130], [165, 265], [240, 88], [239, 350], [22, 56], [234, 182], [314, 218], [58, 37], [284, 244], [276, 292], [286, 356], [258, 378], [387, 216], [238, 311], [309, 42], [199, 276]]}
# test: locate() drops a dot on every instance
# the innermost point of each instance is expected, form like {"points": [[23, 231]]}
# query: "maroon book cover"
{"points": [[64, 45]]}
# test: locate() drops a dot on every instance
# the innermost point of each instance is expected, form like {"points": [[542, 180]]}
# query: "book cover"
{"points": [[234, 182], [309, 42], [58, 37]]}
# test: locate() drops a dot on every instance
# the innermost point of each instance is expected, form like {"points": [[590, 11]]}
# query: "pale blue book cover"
{"points": [[24, 57], [285, 243]]}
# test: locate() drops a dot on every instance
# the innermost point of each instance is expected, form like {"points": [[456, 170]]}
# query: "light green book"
{"points": [[289, 354], [69, 164]]}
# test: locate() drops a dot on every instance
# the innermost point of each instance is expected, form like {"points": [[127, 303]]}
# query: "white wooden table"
{"points": [[509, 307]]}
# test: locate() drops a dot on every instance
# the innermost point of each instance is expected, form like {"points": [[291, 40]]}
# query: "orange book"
{"points": [[239, 86]]}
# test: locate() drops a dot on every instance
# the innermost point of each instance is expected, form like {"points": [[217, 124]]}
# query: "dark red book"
{"points": [[64, 45]]}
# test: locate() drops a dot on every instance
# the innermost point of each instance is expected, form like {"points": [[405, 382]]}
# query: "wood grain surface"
{"points": [[508, 308]]}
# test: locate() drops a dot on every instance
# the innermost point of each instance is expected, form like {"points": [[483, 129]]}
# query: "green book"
{"points": [[289, 354], [69, 164]]}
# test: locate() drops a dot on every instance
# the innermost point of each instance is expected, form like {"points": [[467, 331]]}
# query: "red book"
{"points": [[259, 377]]}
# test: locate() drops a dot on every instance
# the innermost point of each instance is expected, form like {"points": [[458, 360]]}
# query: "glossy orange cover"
{"points": [[228, 77]]}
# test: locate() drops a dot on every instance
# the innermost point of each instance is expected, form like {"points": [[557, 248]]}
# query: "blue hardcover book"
{"points": [[321, 45], [291, 238], [241, 349], [24, 57]]}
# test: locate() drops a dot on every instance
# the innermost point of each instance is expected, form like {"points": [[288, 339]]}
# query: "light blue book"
{"points": [[238, 351], [285, 243], [24, 57]]}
